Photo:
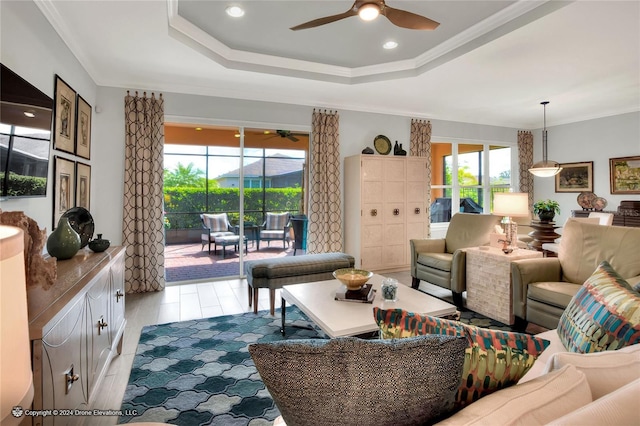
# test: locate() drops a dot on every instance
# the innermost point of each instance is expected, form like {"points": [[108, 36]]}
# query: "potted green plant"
{"points": [[546, 210]]}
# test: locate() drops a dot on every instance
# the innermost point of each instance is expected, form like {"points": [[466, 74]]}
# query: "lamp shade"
{"points": [[545, 168], [16, 378], [513, 204]]}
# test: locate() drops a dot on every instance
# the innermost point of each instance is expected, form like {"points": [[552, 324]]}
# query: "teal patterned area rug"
{"points": [[199, 372]]}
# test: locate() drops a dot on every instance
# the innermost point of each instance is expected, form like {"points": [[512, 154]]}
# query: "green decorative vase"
{"points": [[64, 241]]}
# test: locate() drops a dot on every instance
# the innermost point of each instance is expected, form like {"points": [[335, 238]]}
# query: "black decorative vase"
{"points": [[99, 244], [546, 216]]}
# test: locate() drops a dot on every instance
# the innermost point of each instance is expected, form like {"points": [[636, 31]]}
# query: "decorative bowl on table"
{"points": [[353, 278]]}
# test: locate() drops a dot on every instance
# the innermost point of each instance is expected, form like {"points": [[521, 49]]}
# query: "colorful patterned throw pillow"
{"points": [[493, 359], [603, 315], [350, 381]]}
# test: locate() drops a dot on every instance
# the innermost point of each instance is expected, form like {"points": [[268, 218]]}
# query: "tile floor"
{"points": [[177, 303]]}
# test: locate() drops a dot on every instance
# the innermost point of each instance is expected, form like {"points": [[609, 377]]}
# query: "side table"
{"points": [[251, 232], [489, 290], [543, 232]]}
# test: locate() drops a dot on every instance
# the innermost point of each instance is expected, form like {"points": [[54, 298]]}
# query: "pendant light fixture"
{"points": [[545, 168]]}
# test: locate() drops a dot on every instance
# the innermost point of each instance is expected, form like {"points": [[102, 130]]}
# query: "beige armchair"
{"points": [[598, 218], [442, 261], [542, 288]]}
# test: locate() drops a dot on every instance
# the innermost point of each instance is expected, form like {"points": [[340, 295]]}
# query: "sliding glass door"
{"points": [[242, 173]]}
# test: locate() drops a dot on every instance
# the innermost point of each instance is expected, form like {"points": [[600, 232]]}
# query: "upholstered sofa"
{"points": [[542, 288], [565, 388], [587, 371], [442, 261]]}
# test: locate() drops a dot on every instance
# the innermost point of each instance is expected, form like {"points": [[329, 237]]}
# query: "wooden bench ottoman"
{"points": [[274, 273]]}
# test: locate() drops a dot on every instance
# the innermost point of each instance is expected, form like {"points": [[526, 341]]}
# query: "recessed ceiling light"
{"points": [[198, 128], [235, 11], [390, 45], [237, 135], [29, 114]]}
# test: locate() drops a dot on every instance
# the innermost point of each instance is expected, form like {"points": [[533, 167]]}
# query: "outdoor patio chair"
{"points": [[214, 225], [275, 228]]}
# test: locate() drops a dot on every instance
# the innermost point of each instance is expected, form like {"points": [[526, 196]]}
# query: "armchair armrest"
{"points": [[204, 227], [459, 271], [527, 271], [432, 245]]}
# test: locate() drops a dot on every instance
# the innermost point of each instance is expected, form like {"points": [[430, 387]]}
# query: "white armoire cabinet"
{"points": [[385, 207]]}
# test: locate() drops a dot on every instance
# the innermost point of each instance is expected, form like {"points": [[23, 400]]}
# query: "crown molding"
{"points": [[194, 37]]}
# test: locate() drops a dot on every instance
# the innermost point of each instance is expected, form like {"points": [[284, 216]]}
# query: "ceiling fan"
{"points": [[289, 135], [369, 10]]}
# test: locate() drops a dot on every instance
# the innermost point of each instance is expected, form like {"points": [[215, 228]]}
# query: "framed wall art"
{"points": [[83, 185], [83, 129], [625, 175], [64, 185], [575, 177], [64, 124]]}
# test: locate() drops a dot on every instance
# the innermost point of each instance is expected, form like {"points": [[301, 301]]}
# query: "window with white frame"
{"points": [[465, 175]]}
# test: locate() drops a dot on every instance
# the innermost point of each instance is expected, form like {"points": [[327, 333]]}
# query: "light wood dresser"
{"points": [[76, 327]]}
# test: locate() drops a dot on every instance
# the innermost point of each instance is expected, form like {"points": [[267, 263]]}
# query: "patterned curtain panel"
{"points": [[325, 219], [143, 227], [420, 146], [525, 161], [420, 141]]}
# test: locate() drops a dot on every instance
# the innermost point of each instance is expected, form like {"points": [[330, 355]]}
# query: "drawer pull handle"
{"points": [[417, 210], [374, 212], [101, 324], [119, 294], [70, 378], [396, 212]]}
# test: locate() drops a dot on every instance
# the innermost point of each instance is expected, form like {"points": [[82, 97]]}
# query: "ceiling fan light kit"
{"points": [[546, 167], [369, 10]]}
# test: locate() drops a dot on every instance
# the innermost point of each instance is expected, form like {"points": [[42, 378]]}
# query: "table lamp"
{"points": [[16, 378], [511, 204]]}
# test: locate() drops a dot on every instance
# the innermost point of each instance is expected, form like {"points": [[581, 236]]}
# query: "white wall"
{"points": [[592, 140], [31, 47]]}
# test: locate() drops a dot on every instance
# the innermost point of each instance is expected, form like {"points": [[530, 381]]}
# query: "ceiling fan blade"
{"points": [[325, 20], [292, 138], [405, 19]]}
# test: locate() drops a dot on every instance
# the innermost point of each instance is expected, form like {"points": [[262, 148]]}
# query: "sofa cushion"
{"points": [[469, 230], [557, 294], [555, 346], [535, 402], [493, 359], [585, 245], [349, 381], [276, 221], [306, 264], [619, 407], [605, 371], [603, 315], [441, 261], [216, 222]]}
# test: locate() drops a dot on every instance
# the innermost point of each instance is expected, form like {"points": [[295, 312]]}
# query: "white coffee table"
{"points": [[339, 318]]}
